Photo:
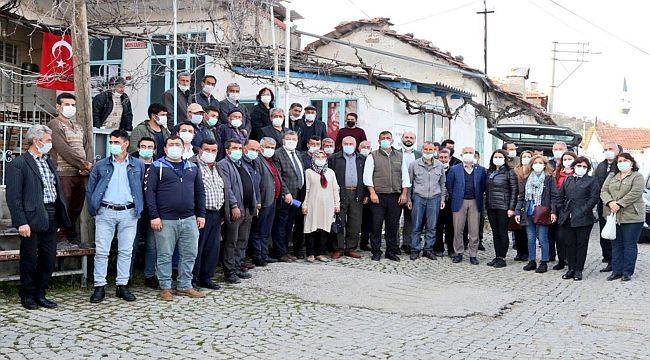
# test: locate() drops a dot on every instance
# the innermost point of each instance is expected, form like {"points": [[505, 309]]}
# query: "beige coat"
{"points": [[628, 193], [320, 203]]}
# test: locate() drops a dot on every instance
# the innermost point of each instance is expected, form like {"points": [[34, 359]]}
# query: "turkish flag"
{"points": [[56, 63]]}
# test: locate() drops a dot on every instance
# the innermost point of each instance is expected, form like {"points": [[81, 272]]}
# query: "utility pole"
{"points": [[275, 51], [485, 13], [175, 59], [580, 50], [287, 60]]}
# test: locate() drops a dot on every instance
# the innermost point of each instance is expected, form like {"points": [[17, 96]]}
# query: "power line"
{"points": [[440, 13], [556, 18], [599, 27], [359, 8]]}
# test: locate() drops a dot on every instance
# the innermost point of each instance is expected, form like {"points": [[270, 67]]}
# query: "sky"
{"points": [[521, 34]]}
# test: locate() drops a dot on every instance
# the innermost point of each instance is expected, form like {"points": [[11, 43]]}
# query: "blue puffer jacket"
{"points": [[101, 174]]}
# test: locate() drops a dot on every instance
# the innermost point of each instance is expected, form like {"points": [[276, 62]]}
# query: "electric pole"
{"points": [[485, 13], [81, 58], [580, 50]]}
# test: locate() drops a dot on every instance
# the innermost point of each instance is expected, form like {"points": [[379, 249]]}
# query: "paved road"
{"points": [[356, 309]]}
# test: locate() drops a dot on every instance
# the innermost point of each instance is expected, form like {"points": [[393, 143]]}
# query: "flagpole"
{"points": [[175, 75]]}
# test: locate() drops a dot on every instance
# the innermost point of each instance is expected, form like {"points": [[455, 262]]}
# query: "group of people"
{"points": [[245, 190]]}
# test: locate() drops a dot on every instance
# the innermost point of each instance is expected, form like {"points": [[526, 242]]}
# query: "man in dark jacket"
{"points": [[205, 97], [37, 207], [445, 225], [112, 108], [308, 127], [182, 100], [230, 103], [348, 166], [607, 166]]}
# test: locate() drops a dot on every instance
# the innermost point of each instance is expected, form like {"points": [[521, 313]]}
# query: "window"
{"points": [[105, 62], [8, 80], [479, 134], [332, 112], [162, 67], [433, 127]]}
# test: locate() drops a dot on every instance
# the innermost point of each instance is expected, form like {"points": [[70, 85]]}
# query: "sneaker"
{"points": [[191, 292], [542, 268], [530, 266], [166, 295]]}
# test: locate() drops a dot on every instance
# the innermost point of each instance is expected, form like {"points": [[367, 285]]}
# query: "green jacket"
{"points": [[628, 193], [143, 130]]}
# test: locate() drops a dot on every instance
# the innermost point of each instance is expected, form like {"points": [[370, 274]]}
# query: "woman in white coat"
{"points": [[320, 206]]}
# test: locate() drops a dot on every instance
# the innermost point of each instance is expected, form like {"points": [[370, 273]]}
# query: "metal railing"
{"points": [[12, 109]]}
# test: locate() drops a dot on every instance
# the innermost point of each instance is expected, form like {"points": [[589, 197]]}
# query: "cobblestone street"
{"points": [[355, 309]]}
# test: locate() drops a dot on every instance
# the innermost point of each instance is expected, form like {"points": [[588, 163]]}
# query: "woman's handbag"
{"points": [[337, 225], [609, 230], [542, 215]]}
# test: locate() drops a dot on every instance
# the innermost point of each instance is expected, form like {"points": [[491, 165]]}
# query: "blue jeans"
{"points": [[106, 222], [144, 232], [428, 209], [537, 232], [624, 248], [185, 234], [260, 232]]}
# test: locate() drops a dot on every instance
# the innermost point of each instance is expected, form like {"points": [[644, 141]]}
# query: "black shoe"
{"points": [[29, 303], [450, 254], [406, 249], [551, 258], [481, 247], [577, 276], [430, 256], [260, 263], [626, 278], [614, 277], [520, 257], [530, 266], [393, 257], [604, 260], [457, 259], [492, 262], [271, 260], [243, 274], [232, 278], [44, 302], [300, 255], [569, 275], [151, 282], [440, 254], [98, 295], [542, 268], [365, 247], [398, 252], [559, 265], [122, 292], [473, 261], [501, 263], [607, 268], [209, 285], [414, 255], [376, 257]]}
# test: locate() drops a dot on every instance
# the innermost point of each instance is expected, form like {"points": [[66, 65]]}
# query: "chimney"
{"points": [[533, 85], [517, 80]]}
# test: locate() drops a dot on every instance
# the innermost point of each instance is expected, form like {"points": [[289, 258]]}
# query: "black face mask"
{"points": [[351, 124]]}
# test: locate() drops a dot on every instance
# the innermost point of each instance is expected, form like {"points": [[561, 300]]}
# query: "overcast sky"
{"points": [[520, 34]]}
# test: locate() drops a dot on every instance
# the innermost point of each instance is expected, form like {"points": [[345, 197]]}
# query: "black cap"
{"points": [[234, 110]]}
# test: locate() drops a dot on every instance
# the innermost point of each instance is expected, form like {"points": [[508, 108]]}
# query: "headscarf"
{"points": [[320, 169]]}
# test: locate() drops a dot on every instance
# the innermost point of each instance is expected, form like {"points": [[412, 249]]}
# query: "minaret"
{"points": [[625, 100]]}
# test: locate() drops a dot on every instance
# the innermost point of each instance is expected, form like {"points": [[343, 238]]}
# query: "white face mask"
{"points": [[162, 120], [268, 153], [558, 153], [512, 153], [525, 161], [233, 96], [266, 99], [329, 150], [609, 155], [186, 136], [208, 157], [236, 123], [445, 165], [320, 162], [183, 88], [310, 117], [290, 145], [538, 168], [567, 163], [69, 111], [468, 158], [580, 171], [364, 151], [277, 121], [208, 89], [498, 161], [313, 149]]}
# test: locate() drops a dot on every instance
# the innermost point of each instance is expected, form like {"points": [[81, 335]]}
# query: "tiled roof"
{"points": [[628, 138]]}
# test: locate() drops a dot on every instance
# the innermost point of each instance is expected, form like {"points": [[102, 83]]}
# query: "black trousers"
{"points": [[387, 213], [207, 254], [499, 223], [366, 224], [315, 242], [605, 244], [407, 227], [577, 242], [298, 236], [37, 258], [552, 242], [444, 227], [521, 241]]}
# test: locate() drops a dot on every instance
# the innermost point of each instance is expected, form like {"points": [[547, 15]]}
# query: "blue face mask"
{"points": [[348, 149], [115, 149], [45, 148], [235, 155], [146, 153], [427, 156], [196, 119], [212, 121], [175, 152], [624, 166], [252, 155], [385, 144]]}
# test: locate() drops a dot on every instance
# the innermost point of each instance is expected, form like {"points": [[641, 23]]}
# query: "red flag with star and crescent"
{"points": [[56, 63]]}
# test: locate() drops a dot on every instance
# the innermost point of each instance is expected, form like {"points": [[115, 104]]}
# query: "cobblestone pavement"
{"points": [[356, 309]]}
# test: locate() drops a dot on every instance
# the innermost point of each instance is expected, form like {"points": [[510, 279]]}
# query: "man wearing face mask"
{"points": [[33, 184], [295, 121], [242, 192], [112, 108], [604, 168], [313, 146], [559, 148], [388, 182], [186, 132], [198, 118], [230, 103], [328, 146], [409, 155], [154, 127], [209, 243], [205, 97], [69, 154], [310, 126], [466, 187], [270, 191], [231, 129], [176, 201], [350, 129], [449, 144], [182, 99], [511, 148], [366, 219], [115, 198], [445, 225], [276, 130]]}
